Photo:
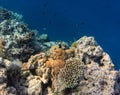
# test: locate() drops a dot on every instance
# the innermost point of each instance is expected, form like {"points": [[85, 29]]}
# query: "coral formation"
{"points": [[37, 64], [36, 74], [9, 81], [4, 14], [71, 74], [57, 57], [100, 73], [30, 64], [19, 41]]}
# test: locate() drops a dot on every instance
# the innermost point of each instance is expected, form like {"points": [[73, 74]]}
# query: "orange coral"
{"points": [[57, 53], [54, 63], [57, 58]]}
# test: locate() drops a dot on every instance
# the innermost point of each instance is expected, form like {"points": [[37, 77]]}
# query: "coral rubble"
{"points": [[30, 64]]}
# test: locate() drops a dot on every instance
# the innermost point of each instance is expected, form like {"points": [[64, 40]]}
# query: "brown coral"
{"points": [[1, 44], [1, 47]]}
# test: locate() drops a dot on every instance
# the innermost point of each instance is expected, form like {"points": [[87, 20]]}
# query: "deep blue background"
{"points": [[69, 19]]}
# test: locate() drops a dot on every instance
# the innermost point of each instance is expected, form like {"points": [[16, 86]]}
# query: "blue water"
{"points": [[70, 19]]}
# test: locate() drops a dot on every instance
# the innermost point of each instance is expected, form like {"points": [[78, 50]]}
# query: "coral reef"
{"points": [[4, 14], [37, 75], [31, 64], [9, 81], [100, 75], [19, 41], [56, 58]]}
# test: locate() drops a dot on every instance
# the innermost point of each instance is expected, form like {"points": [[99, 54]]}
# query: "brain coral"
{"points": [[71, 74]]}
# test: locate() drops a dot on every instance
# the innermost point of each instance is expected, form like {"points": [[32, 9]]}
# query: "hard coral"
{"points": [[36, 66], [20, 42], [71, 74]]}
